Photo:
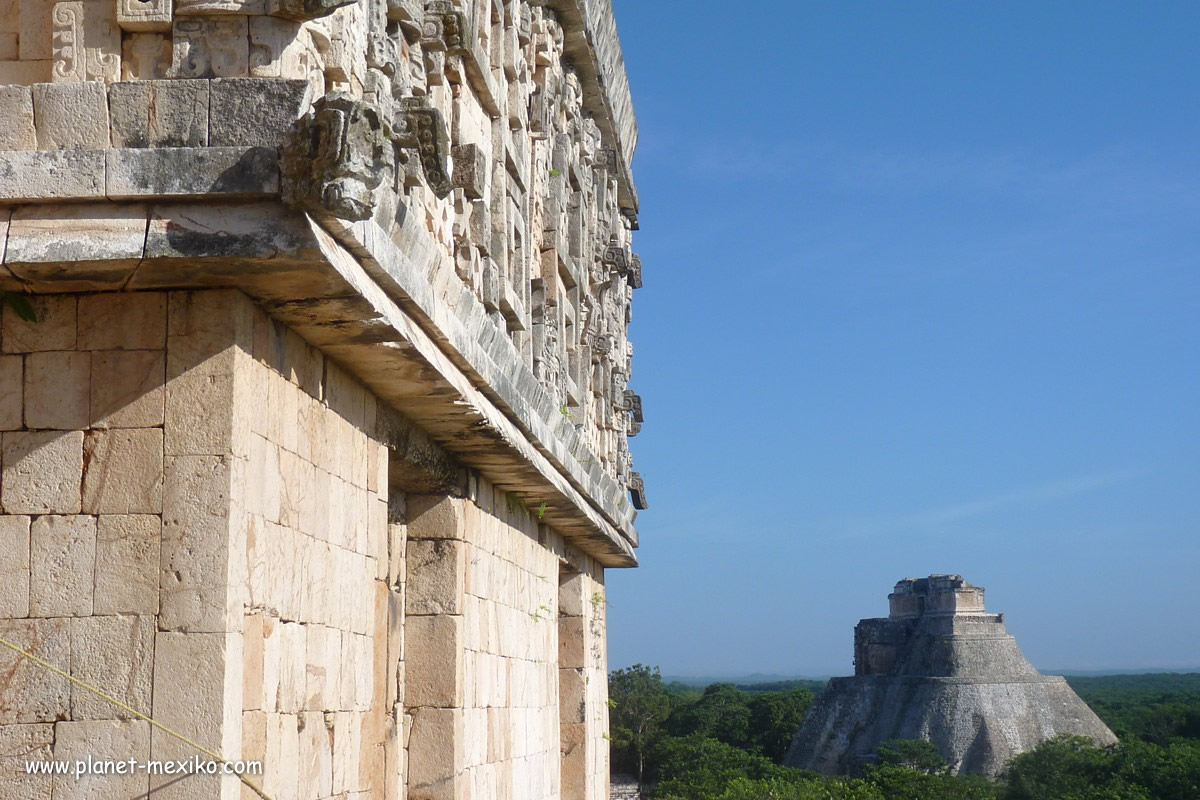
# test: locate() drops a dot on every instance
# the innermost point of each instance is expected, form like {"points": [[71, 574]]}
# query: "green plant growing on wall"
{"points": [[19, 304]]}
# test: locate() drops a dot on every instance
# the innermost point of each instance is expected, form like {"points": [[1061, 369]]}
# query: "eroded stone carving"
{"points": [[210, 47], [145, 57], [302, 10], [144, 15], [340, 153]]}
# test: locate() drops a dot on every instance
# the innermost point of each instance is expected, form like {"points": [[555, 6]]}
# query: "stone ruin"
{"points": [[317, 451], [942, 669]]}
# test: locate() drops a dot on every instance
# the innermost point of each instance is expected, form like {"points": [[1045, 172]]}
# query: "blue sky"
{"points": [[922, 295]]}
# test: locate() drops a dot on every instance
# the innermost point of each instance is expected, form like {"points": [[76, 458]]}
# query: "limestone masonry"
{"points": [[939, 668], [317, 451]]}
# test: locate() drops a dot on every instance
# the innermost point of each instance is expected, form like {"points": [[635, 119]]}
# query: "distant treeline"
{"points": [[726, 742], [1155, 708], [814, 686]]}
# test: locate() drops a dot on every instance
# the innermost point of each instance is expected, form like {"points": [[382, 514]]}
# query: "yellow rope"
{"points": [[215, 756]]}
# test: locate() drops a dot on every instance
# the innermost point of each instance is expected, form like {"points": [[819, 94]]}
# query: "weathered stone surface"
{"points": [[123, 321], [942, 669], [256, 112], [436, 571], [145, 56], [16, 118], [57, 388], [471, 172], [55, 328], [155, 113], [115, 654], [25, 694], [434, 654], [75, 245], [14, 567], [302, 10], [210, 47], [35, 27], [102, 740], [238, 232], [127, 564], [128, 389], [435, 517], [24, 73], [144, 15], [125, 471], [194, 582], [62, 566], [12, 396], [194, 707], [34, 175], [191, 172], [71, 116], [43, 472], [20, 744]]}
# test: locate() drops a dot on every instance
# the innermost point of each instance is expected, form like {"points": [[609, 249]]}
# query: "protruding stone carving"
{"points": [[422, 127], [302, 10], [615, 257], [144, 15], [637, 492], [635, 272], [445, 27], [470, 170], [602, 346], [340, 153], [633, 402]]}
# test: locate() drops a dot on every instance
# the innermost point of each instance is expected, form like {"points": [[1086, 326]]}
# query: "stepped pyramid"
{"points": [[940, 668]]}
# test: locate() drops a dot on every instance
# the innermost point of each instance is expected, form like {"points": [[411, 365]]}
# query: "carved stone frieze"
{"points": [[210, 47], [85, 43], [339, 154]]}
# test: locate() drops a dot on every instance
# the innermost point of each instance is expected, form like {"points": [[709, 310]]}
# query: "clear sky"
{"points": [[922, 294]]}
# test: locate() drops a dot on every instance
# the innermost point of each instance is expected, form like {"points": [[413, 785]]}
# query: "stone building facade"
{"points": [[316, 452]]}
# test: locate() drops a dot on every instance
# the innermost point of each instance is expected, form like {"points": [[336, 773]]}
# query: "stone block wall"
{"points": [[505, 654], [319, 448], [101, 461], [198, 519]]}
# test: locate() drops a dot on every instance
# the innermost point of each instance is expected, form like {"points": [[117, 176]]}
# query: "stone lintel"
{"points": [[306, 279]]}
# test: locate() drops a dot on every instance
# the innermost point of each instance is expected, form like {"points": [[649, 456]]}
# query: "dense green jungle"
{"points": [[726, 742]]}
